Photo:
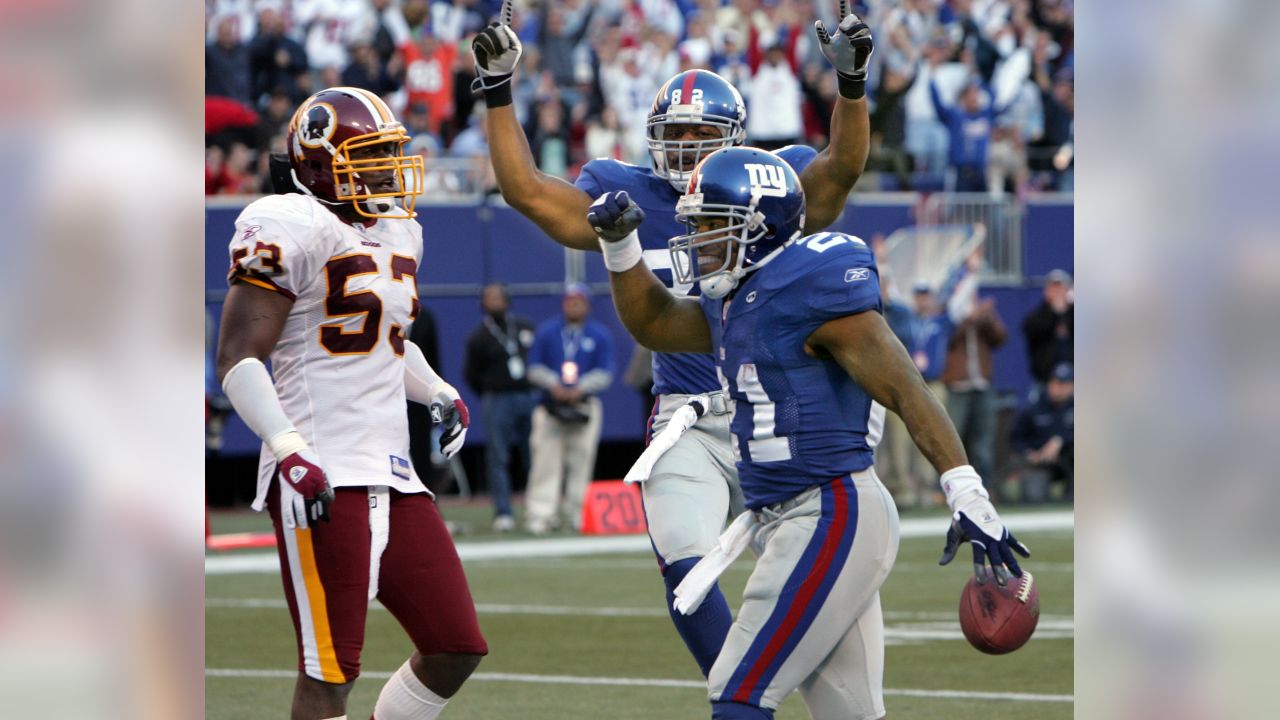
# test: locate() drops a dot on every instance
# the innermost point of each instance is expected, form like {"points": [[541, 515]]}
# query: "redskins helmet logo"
{"points": [[317, 125]]}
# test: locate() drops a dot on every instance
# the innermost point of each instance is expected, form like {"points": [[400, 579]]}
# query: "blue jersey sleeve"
{"points": [[846, 283], [797, 156], [589, 179]]}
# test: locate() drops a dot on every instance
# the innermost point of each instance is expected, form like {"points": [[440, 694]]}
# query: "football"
{"points": [[999, 620]]}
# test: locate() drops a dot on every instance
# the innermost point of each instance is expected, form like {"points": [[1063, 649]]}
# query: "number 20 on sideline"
{"points": [[612, 507]]}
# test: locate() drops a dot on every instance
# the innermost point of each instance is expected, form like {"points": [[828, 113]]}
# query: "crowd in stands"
{"points": [[951, 334], [968, 95]]}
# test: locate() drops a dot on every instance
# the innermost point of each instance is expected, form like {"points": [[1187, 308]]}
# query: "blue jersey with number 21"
{"points": [[685, 373], [798, 421]]}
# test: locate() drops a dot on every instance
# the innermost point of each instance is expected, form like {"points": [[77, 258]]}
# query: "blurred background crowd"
{"points": [[967, 95]]}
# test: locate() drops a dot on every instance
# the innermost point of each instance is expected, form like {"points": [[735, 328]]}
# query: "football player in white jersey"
{"points": [[323, 281]]}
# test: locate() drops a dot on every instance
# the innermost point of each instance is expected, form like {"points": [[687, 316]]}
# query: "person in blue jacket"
{"points": [[969, 125], [572, 363]]}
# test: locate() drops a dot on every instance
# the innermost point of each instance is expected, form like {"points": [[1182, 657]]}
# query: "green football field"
{"points": [[587, 636]]}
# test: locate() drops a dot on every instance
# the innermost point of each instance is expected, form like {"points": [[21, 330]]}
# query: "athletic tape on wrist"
{"points": [[622, 255], [958, 482], [286, 444]]}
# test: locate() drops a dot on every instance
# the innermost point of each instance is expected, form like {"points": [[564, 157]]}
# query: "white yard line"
{"points": [[578, 546], [918, 627], [645, 682]]}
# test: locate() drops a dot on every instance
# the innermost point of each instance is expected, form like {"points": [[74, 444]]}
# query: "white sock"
{"points": [[404, 697]]}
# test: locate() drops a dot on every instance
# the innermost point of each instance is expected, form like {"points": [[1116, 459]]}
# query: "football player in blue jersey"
{"points": [[803, 351], [691, 488]]}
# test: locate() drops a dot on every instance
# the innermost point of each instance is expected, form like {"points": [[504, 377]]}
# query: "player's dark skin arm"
{"points": [[832, 174], [867, 349], [252, 320], [554, 205], [657, 319]]}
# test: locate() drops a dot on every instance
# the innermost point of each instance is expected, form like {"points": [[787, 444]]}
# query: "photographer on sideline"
{"points": [[572, 362]]}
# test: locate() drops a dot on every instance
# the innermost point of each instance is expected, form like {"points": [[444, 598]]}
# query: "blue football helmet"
{"points": [[756, 203], [692, 98]]}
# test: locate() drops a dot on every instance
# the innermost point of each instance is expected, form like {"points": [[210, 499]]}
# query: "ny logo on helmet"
{"points": [[766, 180]]}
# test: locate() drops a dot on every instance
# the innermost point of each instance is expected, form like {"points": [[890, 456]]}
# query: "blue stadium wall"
{"points": [[468, 246]]}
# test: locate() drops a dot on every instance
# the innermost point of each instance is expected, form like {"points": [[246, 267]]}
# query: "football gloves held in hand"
{"points": [[848, 50], [448, 410], [303, 473], [614, 216]]}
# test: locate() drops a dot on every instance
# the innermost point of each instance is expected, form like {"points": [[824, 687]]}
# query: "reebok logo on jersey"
{"points": [[250, 232], [856, 274]]}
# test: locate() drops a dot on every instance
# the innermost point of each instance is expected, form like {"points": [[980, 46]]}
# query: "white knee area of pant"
{"points": [[404, 697]]}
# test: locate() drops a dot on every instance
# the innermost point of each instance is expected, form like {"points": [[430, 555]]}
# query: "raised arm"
{"points": [[828, 180], [555, 206], [832, 174], [944, 112], [657, 319], [558, 208]]}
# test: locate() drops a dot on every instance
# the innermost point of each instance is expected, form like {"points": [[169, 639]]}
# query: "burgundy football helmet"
{"points": [[345, 145]]}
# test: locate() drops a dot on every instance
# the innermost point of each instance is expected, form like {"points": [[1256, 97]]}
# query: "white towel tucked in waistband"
{"points": [[379, 532], [681, 420], [694, 588]]}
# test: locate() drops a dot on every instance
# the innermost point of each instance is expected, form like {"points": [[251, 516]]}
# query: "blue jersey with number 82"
{"points": [[798, 420]]}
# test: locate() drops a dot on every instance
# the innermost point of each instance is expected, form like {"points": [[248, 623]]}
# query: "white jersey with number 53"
{"points": [[339, 363]]}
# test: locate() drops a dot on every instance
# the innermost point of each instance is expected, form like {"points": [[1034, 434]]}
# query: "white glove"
{"points": [[974, 520], [848, 50], [451, 413], [496, 50]]}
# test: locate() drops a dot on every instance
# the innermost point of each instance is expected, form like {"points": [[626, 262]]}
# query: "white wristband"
{"points": [[286, 444], [622, 255], [958, 482]]}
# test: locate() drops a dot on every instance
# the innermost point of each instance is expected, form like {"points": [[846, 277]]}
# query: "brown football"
{"points": [[998, 620]]}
